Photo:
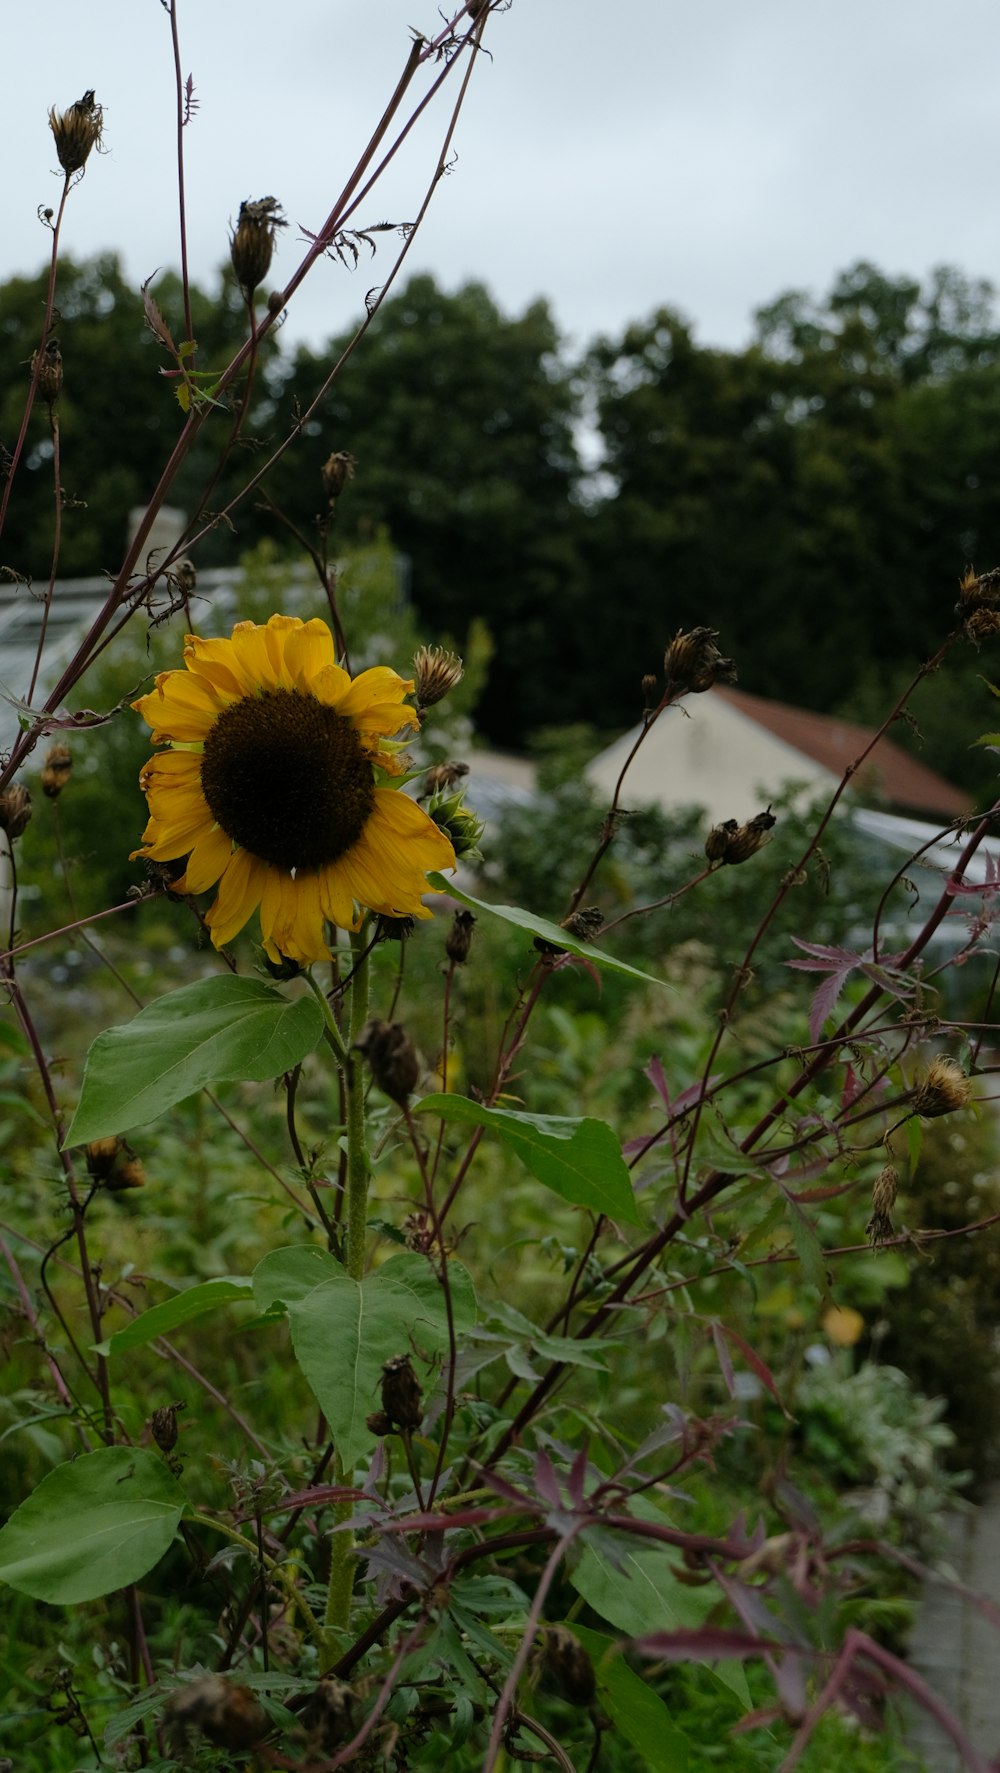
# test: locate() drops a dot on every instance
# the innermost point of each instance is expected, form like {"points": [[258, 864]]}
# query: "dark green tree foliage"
{"points": [[461, 424], [817, 495], [118, 418]]}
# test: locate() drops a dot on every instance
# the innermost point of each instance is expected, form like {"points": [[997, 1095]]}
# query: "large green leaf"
{"points": [[635, 1710], [579, 1159], [92, 1526], [159, 1320], [343, 1331], [634, 1584], [540, 926], [219, 1029]]}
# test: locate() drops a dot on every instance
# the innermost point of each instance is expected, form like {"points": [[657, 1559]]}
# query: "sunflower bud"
{"points": [[47, 364], [436, 672], [392, 1058], [459, 823], [55, 775], [76, 131], [884, 1191], [252, 244], [459, 938], [15, 810], [402, 1398], [693, 662], [944, 1089], [566, 1666], [336, 471]]}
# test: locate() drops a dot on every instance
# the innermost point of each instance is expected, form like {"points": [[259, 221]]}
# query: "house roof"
{"points": [[890, 774]]}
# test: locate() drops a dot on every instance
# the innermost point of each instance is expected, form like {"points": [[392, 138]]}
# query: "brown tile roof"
{"points": [[890, 775]]}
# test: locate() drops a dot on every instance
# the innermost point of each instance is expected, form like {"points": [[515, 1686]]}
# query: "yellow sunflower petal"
{"points": [[240, 892], [337, 899], [375, 702], [210, 857], [308, 651], [291, 917], [386, 869], [330, 685], [259, 653], [205, 661], [407, 825], [181, 707]]}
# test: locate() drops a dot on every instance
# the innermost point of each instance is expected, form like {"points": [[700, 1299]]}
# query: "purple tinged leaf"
{"points": [[754, 1362], [544, 1474], [575, 1477], [657, 1077], [706, 1643], [725, 1364]]}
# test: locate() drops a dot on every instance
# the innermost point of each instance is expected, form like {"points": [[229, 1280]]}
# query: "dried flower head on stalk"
{"points": [[944, 1089], [252, 245], [15, 810], [55, 775], [732, 843], [47, 366], [76, 131], [436, 673], [884, 1191], [693, 662]]}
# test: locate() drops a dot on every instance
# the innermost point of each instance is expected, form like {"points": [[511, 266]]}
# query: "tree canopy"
{"points": [[815, 495]]}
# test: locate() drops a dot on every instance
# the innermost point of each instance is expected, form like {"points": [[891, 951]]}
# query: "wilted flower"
{"points": [[15, 810], [733, 843], [76, 131], [402, 1398], [252, 244], [392, 1058], [48, 364], [459, 938], [336, 471], [884, 1191], [944, 1089], [55, 775], [435, 672], [693, 662]]}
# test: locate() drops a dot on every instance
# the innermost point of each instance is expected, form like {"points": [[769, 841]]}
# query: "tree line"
{"points": [[815, 495]]}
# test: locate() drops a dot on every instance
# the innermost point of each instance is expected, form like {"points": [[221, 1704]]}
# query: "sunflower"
{"points": [[272, 787]]}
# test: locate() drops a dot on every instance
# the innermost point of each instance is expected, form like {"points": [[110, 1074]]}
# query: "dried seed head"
{"points": [[649, 686], [76, 131], [392, 1058], [459, 938], [163, 1426], [566, 1666], [693, 662], [733, 843], [329, 1712], [981, 624], [336, 471], [394, 929], [585, 924], [252, 243], [112, 1164], [436, 673], [944, 1089], [443, 775], [15, 810], [47, 362], [402, 1398], [378, 1423], [226, 1713], [55, 775], [184, 575], [977, 590], [884, 1191]]}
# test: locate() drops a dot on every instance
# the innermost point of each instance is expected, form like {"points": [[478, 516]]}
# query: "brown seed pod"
{"points": [[252, 244], [458, 941], [402, 1398], [436, 672], [392, 1058], [55, 775], [225, 1712], [944, 1089], [47, 362], [76, 131], [693, 662], [15, 810]]}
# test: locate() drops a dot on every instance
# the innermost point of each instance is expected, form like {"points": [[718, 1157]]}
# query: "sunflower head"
{"points": [[276, 785]]}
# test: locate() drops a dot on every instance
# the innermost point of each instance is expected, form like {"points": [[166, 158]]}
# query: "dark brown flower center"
{"points": [[288, 779]]}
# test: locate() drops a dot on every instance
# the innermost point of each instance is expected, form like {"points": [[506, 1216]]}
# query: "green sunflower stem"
{"points": [[342, 1559]]}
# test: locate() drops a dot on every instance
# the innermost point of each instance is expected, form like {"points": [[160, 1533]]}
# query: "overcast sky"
{"points": [[611, 157]]}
